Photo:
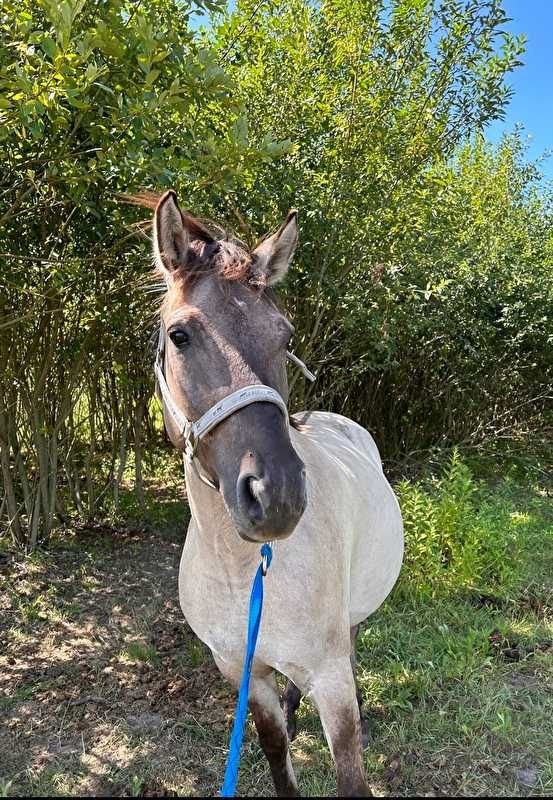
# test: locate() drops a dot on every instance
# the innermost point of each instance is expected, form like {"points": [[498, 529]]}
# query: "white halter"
{"points": [[193, 431]]}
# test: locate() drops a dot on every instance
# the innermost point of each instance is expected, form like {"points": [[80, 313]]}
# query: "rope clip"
{"points": [[266, 557]]}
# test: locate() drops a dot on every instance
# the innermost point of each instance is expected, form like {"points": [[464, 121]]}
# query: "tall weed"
{"points": [[458, 535]]}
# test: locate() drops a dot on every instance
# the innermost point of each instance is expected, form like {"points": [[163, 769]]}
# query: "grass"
{"points": [[5, 787], [137, 651], [136, 785], [456, 668], [441, 689]]}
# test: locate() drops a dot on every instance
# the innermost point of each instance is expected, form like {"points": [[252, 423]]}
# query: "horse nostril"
{"points": [[249, 494], [248, 489], [255, 487]]}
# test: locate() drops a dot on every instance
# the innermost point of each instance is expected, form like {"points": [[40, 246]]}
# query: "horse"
{"points": [[312, 483]]}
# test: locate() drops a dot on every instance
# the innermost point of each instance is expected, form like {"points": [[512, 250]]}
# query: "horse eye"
{"points": [[179, 338]]}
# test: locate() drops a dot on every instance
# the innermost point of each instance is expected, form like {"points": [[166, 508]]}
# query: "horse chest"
{"points": [[297, 603]]}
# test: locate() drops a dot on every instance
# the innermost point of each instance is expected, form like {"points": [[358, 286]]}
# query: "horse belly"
{"points": [[367, 516], [377, 552]]}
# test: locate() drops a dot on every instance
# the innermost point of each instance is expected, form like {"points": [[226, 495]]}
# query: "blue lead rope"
{"points": [[254, 620]]}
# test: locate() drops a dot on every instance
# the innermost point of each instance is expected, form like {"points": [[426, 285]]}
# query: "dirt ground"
{"points": [[103, 688]]}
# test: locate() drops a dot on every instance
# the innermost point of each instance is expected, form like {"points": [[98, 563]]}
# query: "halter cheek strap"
{"points": [[194, 431]]}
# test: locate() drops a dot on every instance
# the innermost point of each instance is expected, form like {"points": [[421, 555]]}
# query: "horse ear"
{"points": [[171, 238], [272, 257]]}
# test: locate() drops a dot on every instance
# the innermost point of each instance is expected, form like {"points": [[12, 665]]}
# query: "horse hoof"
{"points": [[291, 729], [365, 733]]}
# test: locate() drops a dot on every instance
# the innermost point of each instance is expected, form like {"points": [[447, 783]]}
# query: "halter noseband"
{"points": [[194, 431]]}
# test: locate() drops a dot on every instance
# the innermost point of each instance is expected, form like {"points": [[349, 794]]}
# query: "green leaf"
{"points": [[49, 46], [240, 132]]}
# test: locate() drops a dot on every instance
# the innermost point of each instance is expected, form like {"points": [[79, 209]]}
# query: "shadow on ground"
{"points": [[103, 687]]}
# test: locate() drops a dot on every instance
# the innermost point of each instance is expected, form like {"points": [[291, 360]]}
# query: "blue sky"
{"points": [[532, 103]]}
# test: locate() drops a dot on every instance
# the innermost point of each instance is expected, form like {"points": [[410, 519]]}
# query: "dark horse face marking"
{"points": [[224, 333]]}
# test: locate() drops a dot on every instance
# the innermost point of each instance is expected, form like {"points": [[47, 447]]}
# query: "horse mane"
{"points": [[212, 246]]}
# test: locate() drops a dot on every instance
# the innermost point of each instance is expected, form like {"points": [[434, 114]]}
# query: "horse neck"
{"points": [[216, 536]]}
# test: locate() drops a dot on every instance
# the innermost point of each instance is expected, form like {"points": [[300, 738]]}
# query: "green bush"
{"points": [[458, 535], [96, 98], [422, 289]]}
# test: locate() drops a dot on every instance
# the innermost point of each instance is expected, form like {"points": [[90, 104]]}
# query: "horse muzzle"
{"points": [[268, 501]]}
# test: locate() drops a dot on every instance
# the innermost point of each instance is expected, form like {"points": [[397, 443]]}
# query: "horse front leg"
{"points": [[264, 703], [334, 693], [273, 736]]}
